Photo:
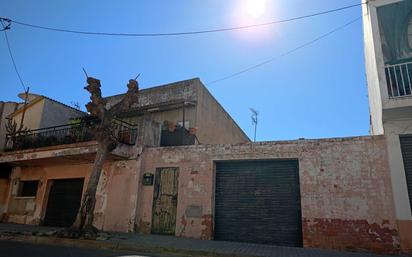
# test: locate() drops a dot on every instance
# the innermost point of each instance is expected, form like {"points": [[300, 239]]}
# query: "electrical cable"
{"points": [[285, 53], [184, 32], [11, 54]]}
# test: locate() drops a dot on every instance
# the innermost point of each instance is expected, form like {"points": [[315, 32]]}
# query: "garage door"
{"points": [[406, 146], [63, 202], [258, 202]]}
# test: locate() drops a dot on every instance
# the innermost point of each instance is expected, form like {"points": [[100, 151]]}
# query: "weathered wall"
{"points": [[388, 115], [195, 188], [177, 91], [116, 196], [214, 123], [346, 193], [44, 174], [55, 114]]}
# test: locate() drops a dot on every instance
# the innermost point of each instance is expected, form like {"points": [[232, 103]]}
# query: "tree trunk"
{"points": [[83, 226], [84, 220]]}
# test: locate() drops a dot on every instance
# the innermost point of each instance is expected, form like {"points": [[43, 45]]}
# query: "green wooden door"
{"points": [[165, 201]]}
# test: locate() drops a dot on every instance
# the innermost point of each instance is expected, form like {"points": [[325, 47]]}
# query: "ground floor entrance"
{"points": [[165, 201], [63, 202], [259, 202]]}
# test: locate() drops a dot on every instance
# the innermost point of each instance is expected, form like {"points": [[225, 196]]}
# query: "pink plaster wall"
{"points": [[44, 174], [116, 196], [346, 195], [195, 188], [345, 186]]}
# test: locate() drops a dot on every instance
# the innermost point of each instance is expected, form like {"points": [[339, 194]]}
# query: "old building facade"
{"points": [[310, 193], [388, 57], [185, 102], [57, 158], [331, 193], [183, 167]]}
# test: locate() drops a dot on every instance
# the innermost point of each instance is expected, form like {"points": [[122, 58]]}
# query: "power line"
{"points": [[5, 28], [184, 32], [285, 53]]}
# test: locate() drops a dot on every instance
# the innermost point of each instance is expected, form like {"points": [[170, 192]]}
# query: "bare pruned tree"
{"points": [[106, 143]]}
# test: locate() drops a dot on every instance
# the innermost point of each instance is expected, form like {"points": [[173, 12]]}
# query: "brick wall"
{"points": [[345, 187], [346, 195]]}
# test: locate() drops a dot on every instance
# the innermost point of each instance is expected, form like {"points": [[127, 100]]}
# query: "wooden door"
{"points": [[165, 201]]}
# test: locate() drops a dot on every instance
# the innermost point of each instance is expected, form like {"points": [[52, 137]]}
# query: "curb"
{"points": [[111, 245]]}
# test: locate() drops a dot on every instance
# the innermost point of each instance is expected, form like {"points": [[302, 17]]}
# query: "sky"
{"points": [[319, 91]]}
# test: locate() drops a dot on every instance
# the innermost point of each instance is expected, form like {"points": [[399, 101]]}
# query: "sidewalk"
{"points": [[163, 244]]}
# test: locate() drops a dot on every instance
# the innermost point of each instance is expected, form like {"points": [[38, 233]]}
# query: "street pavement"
{"points": [[18, 249], [158, 246]]}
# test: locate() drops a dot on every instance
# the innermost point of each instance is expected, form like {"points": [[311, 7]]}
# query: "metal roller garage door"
{"points": [[258, 202], [406, 146], [64, 202]]}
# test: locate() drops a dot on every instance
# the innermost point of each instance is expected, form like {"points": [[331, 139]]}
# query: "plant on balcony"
{"points": [[192, 131], [51, 140], [14, 134], [81, 129], [22, 141], [38, 140], [83, 226]]}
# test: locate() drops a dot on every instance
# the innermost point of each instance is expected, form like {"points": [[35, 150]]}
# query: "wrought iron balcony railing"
{"points": [[68, 134], [398, 79]]}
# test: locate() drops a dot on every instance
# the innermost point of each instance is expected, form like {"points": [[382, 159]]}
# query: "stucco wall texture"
{"points": [[346, 196], [116, 194]]}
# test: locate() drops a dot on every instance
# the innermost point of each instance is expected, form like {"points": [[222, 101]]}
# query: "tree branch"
{"points": [[97, 105], [131, 97]]}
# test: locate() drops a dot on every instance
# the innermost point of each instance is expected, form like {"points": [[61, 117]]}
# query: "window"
{"points": [[28, 188], [5, 171]]}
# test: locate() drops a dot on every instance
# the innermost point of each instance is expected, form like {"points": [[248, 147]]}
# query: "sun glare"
{"points": [[249, 12], [255, 8]]}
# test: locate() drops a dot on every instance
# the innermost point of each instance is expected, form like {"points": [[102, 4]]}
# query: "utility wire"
{"points": [[184, 32], [285, 53], [5, 28]]}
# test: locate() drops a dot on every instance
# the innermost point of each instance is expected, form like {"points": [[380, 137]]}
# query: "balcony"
{"points": [[398, 80], [84, 131]]}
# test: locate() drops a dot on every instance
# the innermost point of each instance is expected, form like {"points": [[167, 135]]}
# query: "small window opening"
{"points": [[28, 188], [5, 171]]}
